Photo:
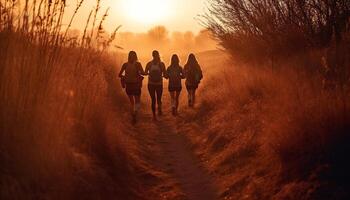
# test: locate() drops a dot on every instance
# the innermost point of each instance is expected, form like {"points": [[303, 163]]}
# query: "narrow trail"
{"points": [[170, 169], [182, 162], [171, 153]]}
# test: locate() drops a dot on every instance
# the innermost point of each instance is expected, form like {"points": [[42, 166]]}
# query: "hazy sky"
{"points": [[141, 15]]}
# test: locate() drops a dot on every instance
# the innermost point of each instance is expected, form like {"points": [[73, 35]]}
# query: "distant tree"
{"points": [[177, 37], [204, 39], [158, 33], [189, 40]]}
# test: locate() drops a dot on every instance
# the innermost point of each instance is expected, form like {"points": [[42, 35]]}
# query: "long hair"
{"points": [[175, 60], [132, 57], [156, 56], [192, 61]]}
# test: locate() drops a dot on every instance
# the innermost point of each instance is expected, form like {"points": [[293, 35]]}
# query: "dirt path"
{"points": [[172, 154]]}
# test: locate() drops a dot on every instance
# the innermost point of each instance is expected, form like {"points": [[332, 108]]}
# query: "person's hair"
{"points": [[156, 56], [175, 60], [192, 61], [132, 57]]}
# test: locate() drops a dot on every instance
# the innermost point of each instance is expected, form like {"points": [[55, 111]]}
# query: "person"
{"points": [[174, 73], [132, 79], [155, 70], [193, 75]]}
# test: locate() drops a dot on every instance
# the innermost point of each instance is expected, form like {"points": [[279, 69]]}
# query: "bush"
{"points": [[276, 32]]}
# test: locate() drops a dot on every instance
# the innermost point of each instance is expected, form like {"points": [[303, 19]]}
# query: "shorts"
{"points": [[133, 89], [191, 87], [174, 88]]}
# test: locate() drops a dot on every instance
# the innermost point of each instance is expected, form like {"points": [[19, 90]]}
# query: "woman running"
{"points": [[132, 79], [175, 74], [193, 74], [155, 70]]}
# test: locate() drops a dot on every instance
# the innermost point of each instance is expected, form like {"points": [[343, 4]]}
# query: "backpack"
{"points": [[194, 76], [155, 73], [174, 74], [131, 73]]}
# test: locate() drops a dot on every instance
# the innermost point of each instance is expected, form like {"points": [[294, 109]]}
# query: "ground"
{"points": [[175, 169]]}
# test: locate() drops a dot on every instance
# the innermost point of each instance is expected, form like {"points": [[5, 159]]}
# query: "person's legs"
{"points": [[177, 95], [132, 102], [193, 97], [159, 91], [172, 96], [137, 102], [188, 95], [152, 93], [173, 102], [133, 108]]}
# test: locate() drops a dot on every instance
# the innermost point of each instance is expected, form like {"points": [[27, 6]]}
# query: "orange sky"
{"points": [[141, 15]]}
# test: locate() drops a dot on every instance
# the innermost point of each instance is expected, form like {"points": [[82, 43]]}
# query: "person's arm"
{"points": [[163, 70], [122, 71], [140, 68], [182, 74], [147, 69], [166, 75]]}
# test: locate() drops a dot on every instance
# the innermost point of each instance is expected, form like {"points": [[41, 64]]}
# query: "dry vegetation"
{"points": [[279, 129], [275, 124], [59, 135], [267, 138]]}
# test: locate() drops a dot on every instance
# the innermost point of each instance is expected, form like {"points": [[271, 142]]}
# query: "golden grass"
{"points": [[273, 134], [55, 94]]}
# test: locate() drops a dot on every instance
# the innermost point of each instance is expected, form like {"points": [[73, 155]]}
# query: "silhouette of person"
{"points": [[193, 75], [132, 81], [174, 73], [155, 69]]}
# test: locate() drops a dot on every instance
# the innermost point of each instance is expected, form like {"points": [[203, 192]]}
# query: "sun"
{"points": [[147, 11]]}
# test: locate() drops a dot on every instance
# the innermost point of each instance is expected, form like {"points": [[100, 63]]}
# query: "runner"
{"points": [[174, 74], [132, 81], [193, 74], [155, 70]]}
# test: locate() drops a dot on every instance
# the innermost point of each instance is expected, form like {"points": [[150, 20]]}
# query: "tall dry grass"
{"points": [[56, 141], [273, 135], [277, 120]]}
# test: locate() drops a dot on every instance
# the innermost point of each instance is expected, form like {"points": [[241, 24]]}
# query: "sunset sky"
{"points": [[141, 15]]}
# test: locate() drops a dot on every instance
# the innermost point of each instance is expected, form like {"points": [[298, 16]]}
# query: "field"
{"points": [[271, 120], [265, 137]]}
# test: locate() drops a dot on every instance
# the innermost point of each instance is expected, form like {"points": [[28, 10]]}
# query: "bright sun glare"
{"points": [[147, 11]]}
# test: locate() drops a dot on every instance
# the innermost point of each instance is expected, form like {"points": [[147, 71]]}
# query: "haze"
{"points": [[141, 15]]}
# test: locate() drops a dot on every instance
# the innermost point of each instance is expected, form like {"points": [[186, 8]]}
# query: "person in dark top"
{"points": [[131, 76], [174, 73], [193, 75], [155, 70]]}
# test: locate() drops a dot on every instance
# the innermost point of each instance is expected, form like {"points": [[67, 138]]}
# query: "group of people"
{"points": [[132, 75]]}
